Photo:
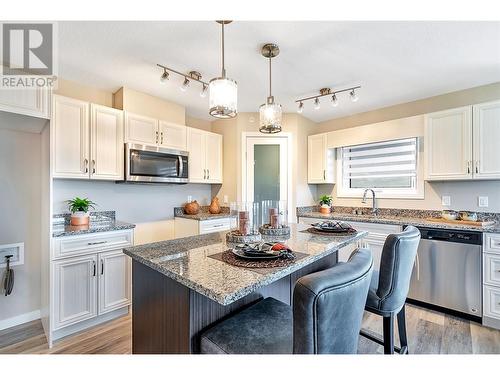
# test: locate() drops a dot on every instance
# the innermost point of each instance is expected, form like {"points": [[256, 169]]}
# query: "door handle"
{"points": [[180, 170], [102, 267], [157, 136], [208, 171], [93, 266], [85, 165], [93, 166], [468, 167], [324, 174], [96, 243], [161, 141]]}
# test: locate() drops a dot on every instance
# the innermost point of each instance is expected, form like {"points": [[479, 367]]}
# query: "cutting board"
{"points": [[480, 224]]}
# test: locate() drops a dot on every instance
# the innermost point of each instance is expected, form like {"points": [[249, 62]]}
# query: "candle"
{"points": [[274, 217]]}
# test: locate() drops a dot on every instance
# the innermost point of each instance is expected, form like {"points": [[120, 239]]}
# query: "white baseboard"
{"points": [[19, 319]]}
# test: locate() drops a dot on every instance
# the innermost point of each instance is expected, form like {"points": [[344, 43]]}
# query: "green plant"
{"points": [[80, 204], [326, 200]]}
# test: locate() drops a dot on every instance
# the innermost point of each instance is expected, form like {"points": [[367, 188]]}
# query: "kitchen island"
{"points": [[181, 286]]}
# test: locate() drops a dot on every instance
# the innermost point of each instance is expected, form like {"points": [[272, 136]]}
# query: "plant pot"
{"points": [[325, 209], [80, 218]]}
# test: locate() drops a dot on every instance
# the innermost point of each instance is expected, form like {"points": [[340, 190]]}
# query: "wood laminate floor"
{"points": [[429, 332]]}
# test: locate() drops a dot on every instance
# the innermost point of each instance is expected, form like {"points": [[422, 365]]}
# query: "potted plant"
{"points": [[79, 208], [325, 203]]}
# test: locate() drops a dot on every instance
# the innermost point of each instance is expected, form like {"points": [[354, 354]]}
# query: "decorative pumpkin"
{"points": [[192, 208], [214, 206]]}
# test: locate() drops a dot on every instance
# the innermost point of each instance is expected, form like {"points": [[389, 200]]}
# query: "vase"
{"points": [[324, 209], [79, 218], [192, 208], [214, 206]]}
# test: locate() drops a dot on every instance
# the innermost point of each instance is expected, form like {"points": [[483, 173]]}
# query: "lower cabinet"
{"points": [[90, 285], [491, 280]]}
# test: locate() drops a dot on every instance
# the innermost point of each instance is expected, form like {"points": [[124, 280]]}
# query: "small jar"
{"points": [[274, 214], [247, 218]]}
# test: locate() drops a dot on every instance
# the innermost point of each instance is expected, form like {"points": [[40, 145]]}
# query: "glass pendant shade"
{"points": [[223, 100], [270, 117]]}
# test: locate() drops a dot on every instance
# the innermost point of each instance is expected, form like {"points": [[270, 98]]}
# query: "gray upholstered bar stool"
{"points": [[389, 287], [326, 317]]}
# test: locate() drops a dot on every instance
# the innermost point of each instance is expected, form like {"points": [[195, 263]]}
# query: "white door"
{"points": [[70, 137], [173, 135], [448, 144], [75, 293], [114, 281], [266, 172], [106, 143], [316, 170], [141, 129], [213, 157], [30, 102], [486, 125], [197, 154]]}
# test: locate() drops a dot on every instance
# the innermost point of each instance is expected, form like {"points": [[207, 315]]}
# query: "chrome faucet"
{"points": [[374, 200]]}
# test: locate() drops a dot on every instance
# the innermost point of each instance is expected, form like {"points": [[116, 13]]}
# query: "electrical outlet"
{"points": [[190, 198], [482, 201], [226, 199], [446, 200]]}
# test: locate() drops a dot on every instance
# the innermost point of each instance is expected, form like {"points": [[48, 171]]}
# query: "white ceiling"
{"points": [[394, 62]]}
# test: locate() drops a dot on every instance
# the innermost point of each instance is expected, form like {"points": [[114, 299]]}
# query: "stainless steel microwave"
{"points": [[145, 163]]}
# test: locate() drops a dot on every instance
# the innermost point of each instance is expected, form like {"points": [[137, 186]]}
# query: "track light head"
{"points": [[164, 77], [301, 108], [335, 101], [204, 90], [317, 104], [185, 85], [354, 97]]}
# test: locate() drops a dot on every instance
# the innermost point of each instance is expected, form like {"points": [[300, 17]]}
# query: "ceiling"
{"points": [[394, 62]]}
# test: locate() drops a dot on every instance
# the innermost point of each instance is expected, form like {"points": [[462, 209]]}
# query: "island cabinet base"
{"points": [[168, 317]]}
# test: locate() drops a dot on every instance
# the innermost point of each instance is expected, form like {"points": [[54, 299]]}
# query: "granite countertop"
{"points": [[397, 218], [99, 222], [204, 214], [187, 261]]}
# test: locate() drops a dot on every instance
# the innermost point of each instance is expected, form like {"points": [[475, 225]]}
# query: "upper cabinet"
{"points": [[205, 156], [448, 144], [30, 102], [320, 160], [461, 143], [486, 135], [87, 140], [146, 130]]}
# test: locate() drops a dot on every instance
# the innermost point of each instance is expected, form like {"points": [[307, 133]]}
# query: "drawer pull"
{"points": [[218, 225], [96, 243]]}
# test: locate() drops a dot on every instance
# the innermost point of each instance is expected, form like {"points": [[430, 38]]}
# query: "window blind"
{"points": [[397, 158]]}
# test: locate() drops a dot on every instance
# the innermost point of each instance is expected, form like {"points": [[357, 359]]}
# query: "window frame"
{"points": [[415, 192]]}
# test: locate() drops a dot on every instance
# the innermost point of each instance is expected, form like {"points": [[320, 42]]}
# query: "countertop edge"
{"points": [[120, 226], [234, 296]]}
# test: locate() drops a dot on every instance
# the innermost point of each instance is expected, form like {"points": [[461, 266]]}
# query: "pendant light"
{"points": [[270, 112], [223, 91]]}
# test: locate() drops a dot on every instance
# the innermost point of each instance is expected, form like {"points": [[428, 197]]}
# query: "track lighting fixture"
{"points": [[317, 104], [301, 107], [327, 91], [335, 101], [164, 77], [354, 97], [184, 85]]}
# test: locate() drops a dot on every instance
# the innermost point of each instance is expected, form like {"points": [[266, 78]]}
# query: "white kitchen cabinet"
{"points": [[486, 135], [205, 156], [189, 227], [491, 280], [70, 137], [141, 129], [320, 160], [106, 143], [114, 281], [75, 290], [30, 102], [86, 146], [172, 135], [448, 144]]}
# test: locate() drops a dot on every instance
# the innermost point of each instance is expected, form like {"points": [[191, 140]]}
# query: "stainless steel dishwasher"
{"points": [[447, 271]]}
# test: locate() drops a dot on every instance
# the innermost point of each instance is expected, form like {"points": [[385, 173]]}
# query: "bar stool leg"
{"points": [[402, 331], [389, 334]]}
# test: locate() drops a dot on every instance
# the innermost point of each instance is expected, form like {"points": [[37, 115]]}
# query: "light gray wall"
{"points": [[133, 203], [20, 213]]}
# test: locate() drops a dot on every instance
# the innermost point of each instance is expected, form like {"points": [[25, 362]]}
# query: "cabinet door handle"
{"points": [[93, 166], [85, 165], [96, 243], [102, 267], [157, 136], [468, 167], [208, 177], [204, 174], [324, 174], [93, 266], [161, 138], [477, 166]]}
